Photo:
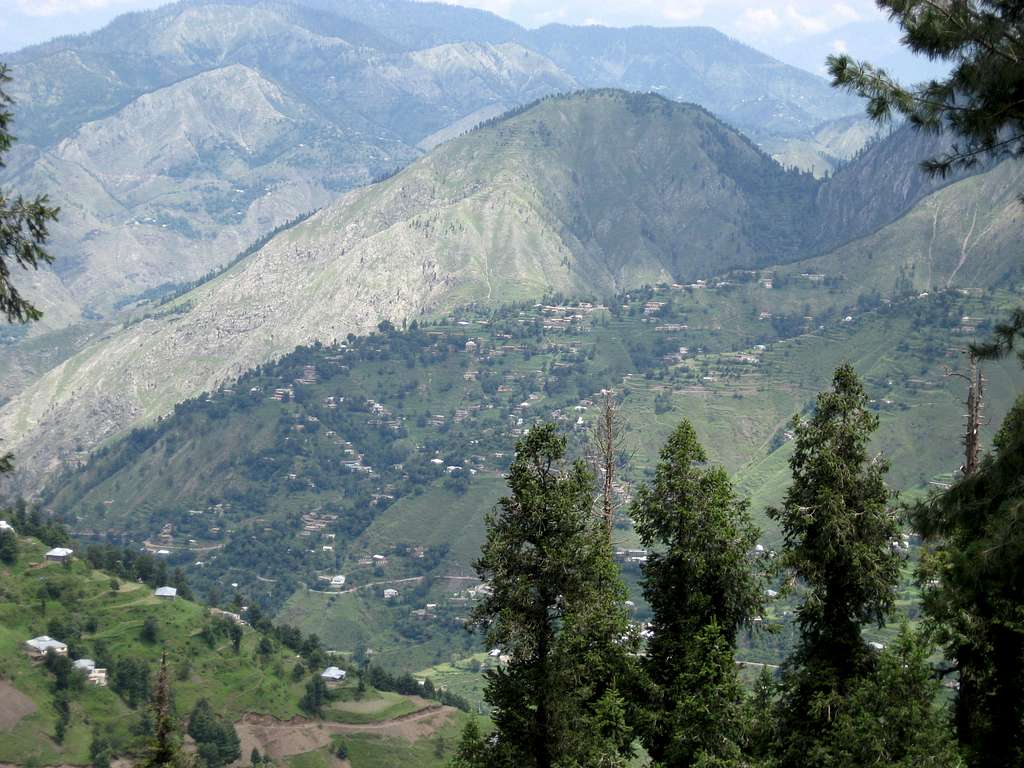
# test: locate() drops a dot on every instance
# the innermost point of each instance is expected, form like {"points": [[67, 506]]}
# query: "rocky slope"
{"points": [[585, 194], [142, 131], [582, 194]]}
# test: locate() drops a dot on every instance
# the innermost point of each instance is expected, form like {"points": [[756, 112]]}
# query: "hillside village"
{"points": [[335, 449]]}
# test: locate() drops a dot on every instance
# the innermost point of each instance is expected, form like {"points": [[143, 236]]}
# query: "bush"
{"points": [[149, 631], [8, 547]]}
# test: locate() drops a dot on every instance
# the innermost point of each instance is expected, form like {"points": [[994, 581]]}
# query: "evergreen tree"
{"points": [[973, 587], [472, 749], [8, 547], [164, 749], [315, 697], [99, 749], [557, 607], [23, 234], [701, 588], [838, 530], [215, 737], [980, 101], [149, 631], [890, 719]]}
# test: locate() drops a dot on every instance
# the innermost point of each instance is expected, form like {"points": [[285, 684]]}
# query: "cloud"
{"points": [[811, 25], [845, 12], [839, 46], [759, 20], [62, 7]]}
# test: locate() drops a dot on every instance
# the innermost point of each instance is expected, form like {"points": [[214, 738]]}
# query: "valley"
{"points": [[388, 383]]}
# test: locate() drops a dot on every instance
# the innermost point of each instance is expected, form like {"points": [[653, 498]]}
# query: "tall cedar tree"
{"points": [[23, 233], [701, 588], [975, 592], [973, 586], [557, 608], [981, 101], [837, 530]]}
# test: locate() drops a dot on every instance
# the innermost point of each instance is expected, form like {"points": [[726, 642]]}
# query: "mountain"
{"points": [[522, 207], [964, 234], [525, 206], [744, 87], [342, 93]]}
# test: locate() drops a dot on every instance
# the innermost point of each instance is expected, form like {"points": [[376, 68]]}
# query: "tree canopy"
{"points": [[23, 226], [981, 101]]}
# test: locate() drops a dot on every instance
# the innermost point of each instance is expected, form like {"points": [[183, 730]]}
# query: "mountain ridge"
{"points": [[522, 207]]}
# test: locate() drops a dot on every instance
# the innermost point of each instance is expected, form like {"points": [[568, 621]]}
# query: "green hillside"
{"points": [[394, 444], [103, 622], [102, 618], [590, 193]]}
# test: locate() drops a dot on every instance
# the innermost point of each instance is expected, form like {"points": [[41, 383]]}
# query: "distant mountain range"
{"points": [[174, 138], [584, 194]]}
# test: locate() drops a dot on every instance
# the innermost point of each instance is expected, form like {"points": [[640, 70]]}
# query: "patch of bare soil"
{"points": [[14, 705], [285, 738]]}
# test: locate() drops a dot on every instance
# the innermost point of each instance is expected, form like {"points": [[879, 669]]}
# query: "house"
{"points": [[5, 526], [390, 594], [338, 581], [494, 653], [333, 675], [167, 593], [93, 674], [59, 554], [38, 647]]}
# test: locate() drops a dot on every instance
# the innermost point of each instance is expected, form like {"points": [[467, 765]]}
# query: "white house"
{"points": [[93, 674], [167, 593], [390, 594], [338, 581], [38, 647], [59, 554], [5, 526], [333, 675]]}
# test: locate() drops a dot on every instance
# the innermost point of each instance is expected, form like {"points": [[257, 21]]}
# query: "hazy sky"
{"points": [[801, 32]]}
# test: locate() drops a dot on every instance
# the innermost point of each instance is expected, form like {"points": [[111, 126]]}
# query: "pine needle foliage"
{"points": [[981, 101], [556, 607]]}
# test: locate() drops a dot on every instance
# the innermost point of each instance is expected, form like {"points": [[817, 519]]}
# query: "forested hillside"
{"points": [[594, 192], [395, 444], [236, 684]]}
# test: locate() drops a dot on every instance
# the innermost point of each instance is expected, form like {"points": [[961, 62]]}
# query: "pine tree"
{"points": [[980, 102], [701, 588], [557, 608], [164, 750], [23, 234], [890, 718], [974, 594], [838, 530]]}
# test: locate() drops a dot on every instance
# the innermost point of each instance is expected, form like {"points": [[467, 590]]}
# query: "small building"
{"points": [[494, 653], [59, 554], [390, 594], [333, 675], [167, 593], [338, 581], [93, 674], [38, 647], [5, 526]]}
